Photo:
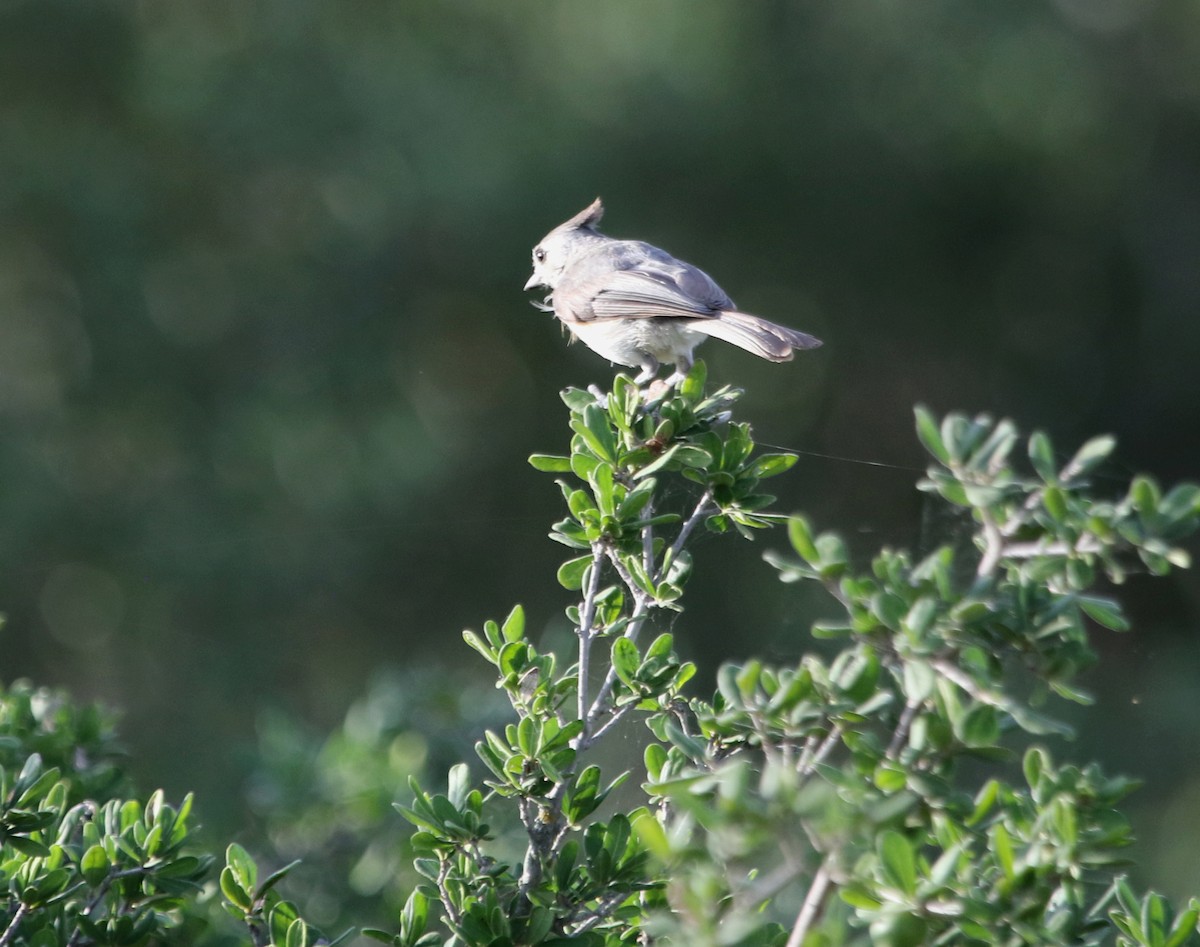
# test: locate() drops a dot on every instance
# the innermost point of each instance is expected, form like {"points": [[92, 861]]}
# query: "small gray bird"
{"points": [[639, 306]]}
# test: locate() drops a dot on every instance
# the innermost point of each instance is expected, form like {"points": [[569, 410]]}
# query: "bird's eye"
{"points": [[540, 255]]}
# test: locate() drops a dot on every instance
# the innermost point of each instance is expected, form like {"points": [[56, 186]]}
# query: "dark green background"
{"points": [[268, 378]]}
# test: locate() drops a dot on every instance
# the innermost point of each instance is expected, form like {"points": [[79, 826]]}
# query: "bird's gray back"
{"points": [[630, 279]]}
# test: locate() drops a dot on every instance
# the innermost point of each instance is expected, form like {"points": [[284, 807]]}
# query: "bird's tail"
{"points": [[765, 339]]}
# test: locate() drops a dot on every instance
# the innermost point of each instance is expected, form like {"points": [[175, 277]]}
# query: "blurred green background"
{"points": [[268, 378]]}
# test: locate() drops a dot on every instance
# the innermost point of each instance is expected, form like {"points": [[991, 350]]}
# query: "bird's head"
{"points": [[559, 247]]}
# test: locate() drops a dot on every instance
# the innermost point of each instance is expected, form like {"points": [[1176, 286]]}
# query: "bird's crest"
{"points": [[587, 218]]}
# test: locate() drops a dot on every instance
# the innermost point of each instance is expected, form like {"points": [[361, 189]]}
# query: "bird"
{"points": [[640, 307]]}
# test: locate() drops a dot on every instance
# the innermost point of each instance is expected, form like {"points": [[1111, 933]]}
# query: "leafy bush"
{"points": [[892, 790], [826, 801]]}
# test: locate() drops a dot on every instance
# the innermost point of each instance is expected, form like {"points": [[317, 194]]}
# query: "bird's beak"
{"points": [[534, 280]]}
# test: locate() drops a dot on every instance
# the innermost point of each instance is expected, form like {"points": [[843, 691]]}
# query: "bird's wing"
{"points": [[637, 281]]}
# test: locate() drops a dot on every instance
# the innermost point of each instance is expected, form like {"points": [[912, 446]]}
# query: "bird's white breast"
{"points": [[629, 341]]}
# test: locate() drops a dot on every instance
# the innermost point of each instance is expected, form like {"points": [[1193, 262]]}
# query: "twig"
{"points": [[964, 681], [811, 906], [703, 505], [602, 912], [1087, 544], [606, 726], [993, 548], [99, 896], [902, 727], [452, 912], [640, 609], [642, 601], [587, 616], [648, 538], [11, 930], [806, 766]]}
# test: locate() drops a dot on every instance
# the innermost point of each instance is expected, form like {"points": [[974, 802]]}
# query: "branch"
{"points": [[11, 930], [993, 545], [452, 912], [902, 727], [634, 626], [806, 766], [602, 911], [587, 615], [99, 896], [811, 906], [606, 726], [971, 687], [1087, 544], [703, 505], [648, 538]]}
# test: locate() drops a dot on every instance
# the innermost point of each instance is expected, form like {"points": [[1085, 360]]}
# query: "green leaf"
{"points": [[1183, 928], [984, 800], [1055, 502], [980, 727], [1104, 612], [898, 860], [297, 934], [1034, 765], [655, 758], [1041, 455], [918, 680], [1154, 918], [661, 646], [577, 398], [571, 573], [929, 435], [1181, 501], [1003, 848], [472, 639], [1089, 456], [1037, 723], [28, 846], [651, 833], [625, 660], [415, 916], [550, 463], [38, 789], [890, 777], [692, 388], [772, 465], [858, 898], [458, 785], [233, 891], [601, 481], [94, 865], [832, 555], [596, 431], [690, 455], [801, 538], [920, 616], [669, 456], [513, 628], [244, 870]]}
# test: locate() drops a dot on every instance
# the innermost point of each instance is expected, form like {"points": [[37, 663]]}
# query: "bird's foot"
{"points": [[658, 389]]}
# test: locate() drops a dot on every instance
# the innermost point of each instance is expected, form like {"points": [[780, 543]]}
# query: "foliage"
{"points": [[272, 921], [79, 864], [325, 799], [83, 863], [864, 798], [77, 740]]}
